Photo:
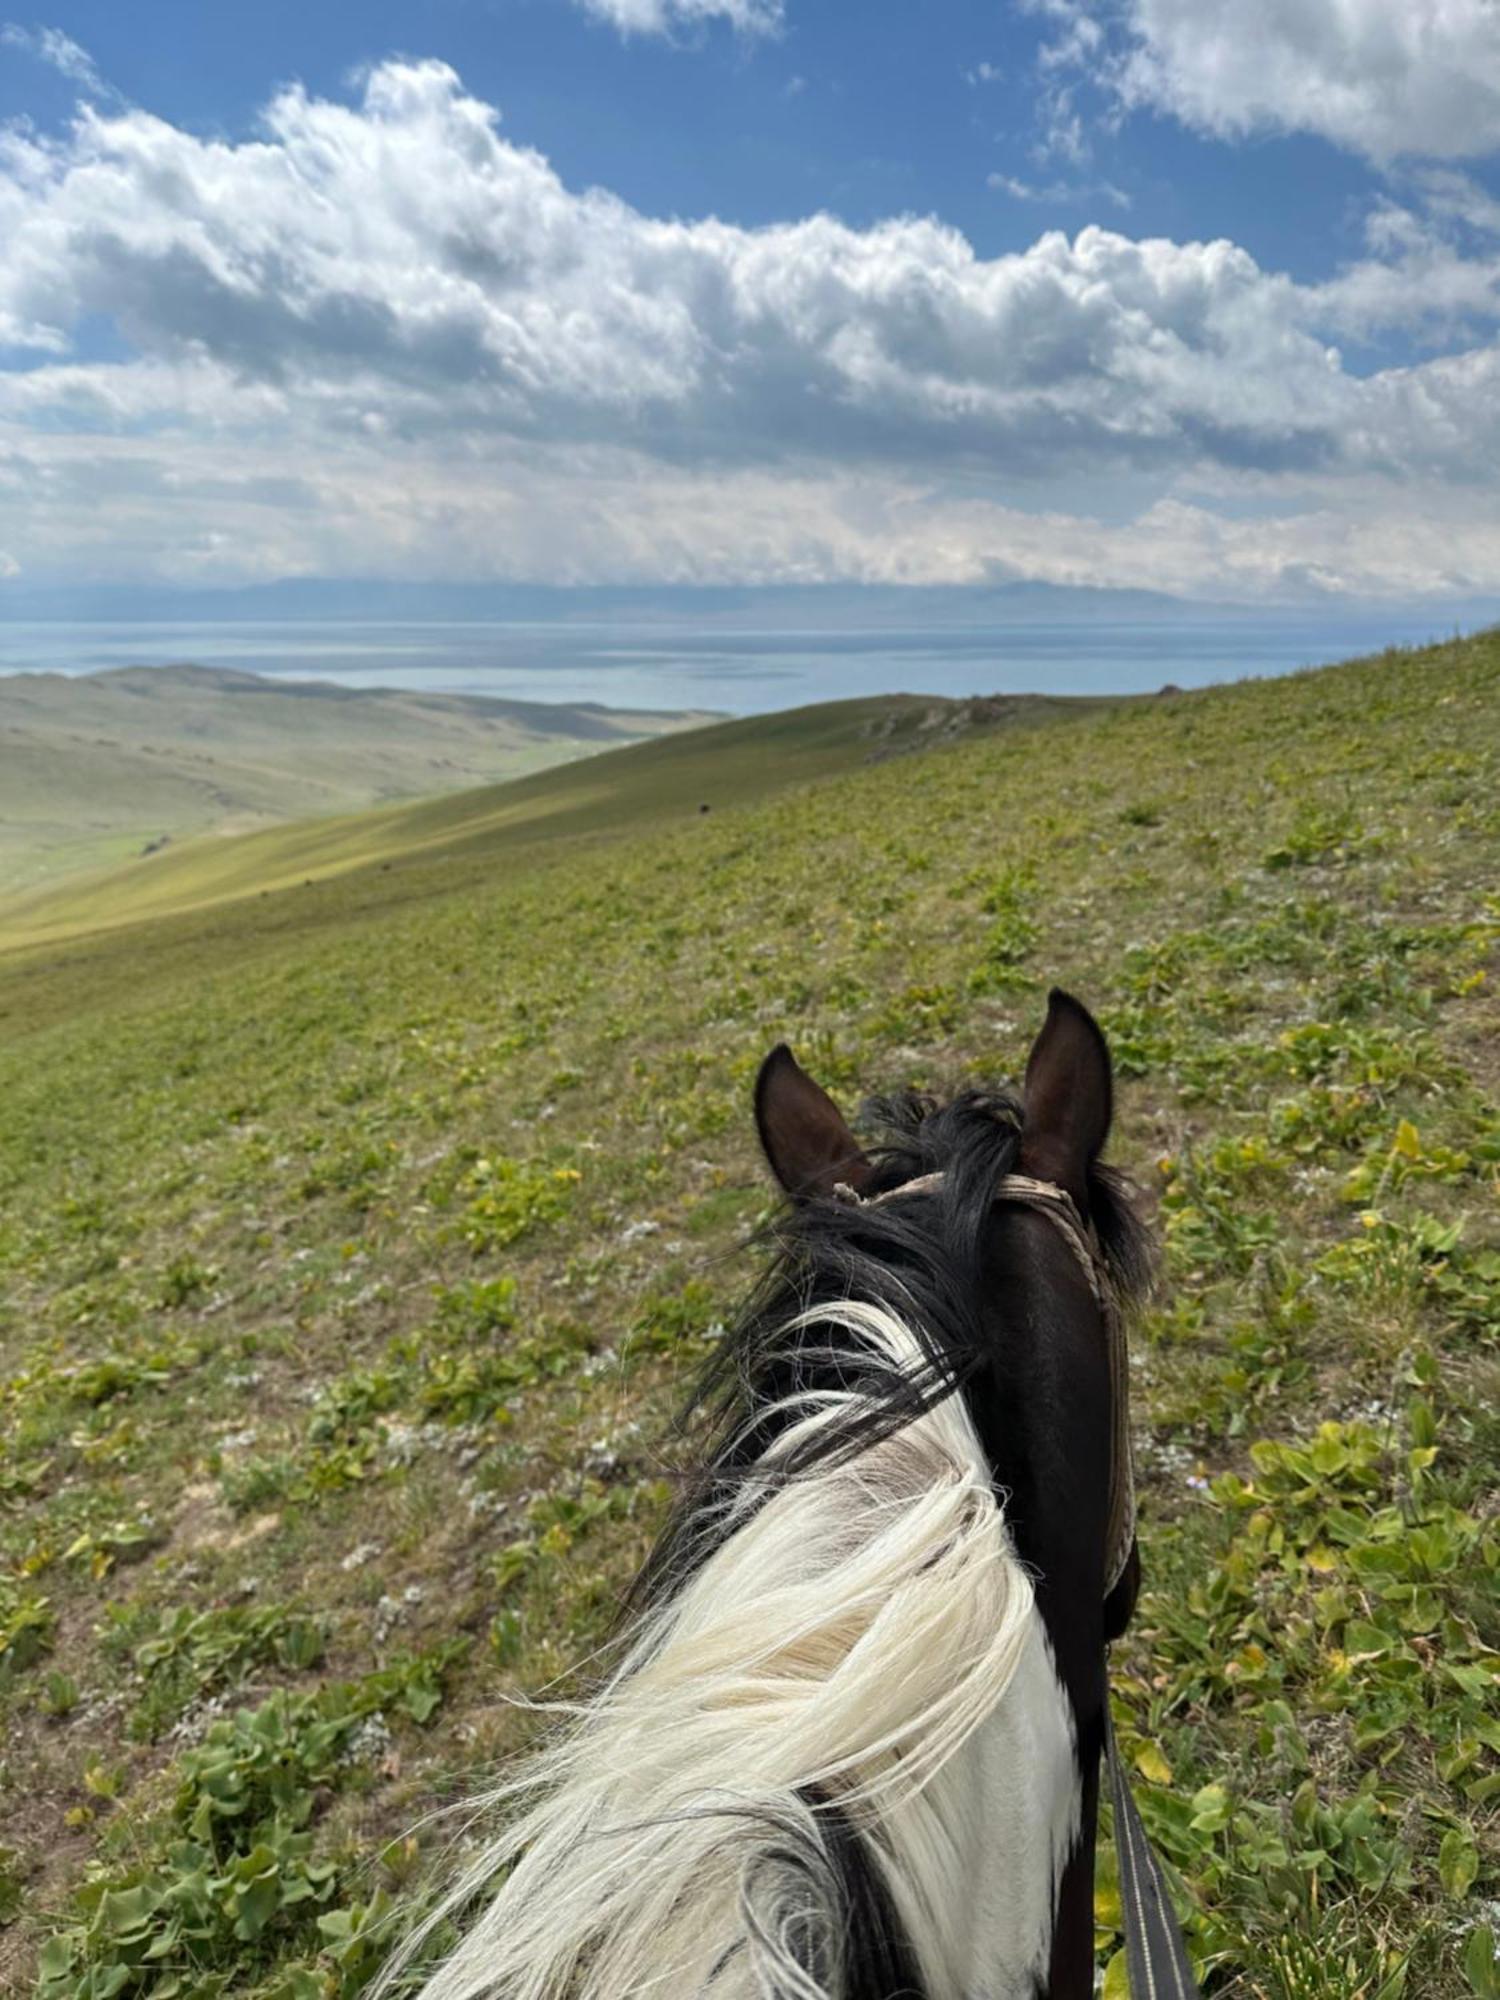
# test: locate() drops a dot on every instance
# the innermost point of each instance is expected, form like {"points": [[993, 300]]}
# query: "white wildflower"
{"points": [[371, 1740]]}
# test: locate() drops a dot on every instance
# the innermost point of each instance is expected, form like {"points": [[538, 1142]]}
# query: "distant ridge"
{"points": [[750, 607], [769, 606], [544, 719], [97, 768]]}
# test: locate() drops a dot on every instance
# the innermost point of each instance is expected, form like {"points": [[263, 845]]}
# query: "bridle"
{"points": [[1155, 1955], [1047, 1198]]}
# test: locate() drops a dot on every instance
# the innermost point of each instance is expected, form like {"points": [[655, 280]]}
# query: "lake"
{"points": [[740, 670]]}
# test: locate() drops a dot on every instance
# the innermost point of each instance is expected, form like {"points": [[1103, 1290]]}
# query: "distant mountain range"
{"points": [[96, 768], [364, 600], [807, 607]]}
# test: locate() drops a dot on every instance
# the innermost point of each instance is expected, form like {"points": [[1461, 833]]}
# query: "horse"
{"points": [[851, 1750]]}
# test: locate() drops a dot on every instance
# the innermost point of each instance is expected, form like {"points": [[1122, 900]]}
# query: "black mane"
{"points": [[918, 1259]]}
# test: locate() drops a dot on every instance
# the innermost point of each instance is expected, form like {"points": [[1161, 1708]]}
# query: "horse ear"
{"points": [[1069, 1094], [809, 1146]]}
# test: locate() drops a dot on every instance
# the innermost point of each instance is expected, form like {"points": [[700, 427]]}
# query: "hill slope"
{"points": [[95, 767], [356, 1241], [676, 775]]}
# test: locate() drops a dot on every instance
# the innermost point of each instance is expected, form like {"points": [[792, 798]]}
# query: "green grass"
{"points": [[482, 828], [95, 769], [335, 1366]]}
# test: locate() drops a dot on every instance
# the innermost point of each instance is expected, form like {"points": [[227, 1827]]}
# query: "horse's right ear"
{"points": [[809, 1147], [1068, 1097]]}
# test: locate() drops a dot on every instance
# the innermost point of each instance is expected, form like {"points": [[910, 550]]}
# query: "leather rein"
{"points": [[1155, 1955]]}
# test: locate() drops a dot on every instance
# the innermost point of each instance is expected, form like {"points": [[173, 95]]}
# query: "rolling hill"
{"points": [[676, 774], [94, 768], [357, 1241]]}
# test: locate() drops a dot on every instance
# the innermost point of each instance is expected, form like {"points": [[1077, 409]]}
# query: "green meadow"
{"points": [[370, 1189], [730, 763], [97, 770]]}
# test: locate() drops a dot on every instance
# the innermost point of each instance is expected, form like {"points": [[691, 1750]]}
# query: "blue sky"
{"points": [[1198, 294], [863, 110]]}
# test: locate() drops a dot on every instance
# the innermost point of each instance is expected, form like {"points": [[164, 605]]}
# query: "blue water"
{"points": [[740, 670]]}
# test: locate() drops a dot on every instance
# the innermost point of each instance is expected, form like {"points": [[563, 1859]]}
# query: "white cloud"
{"points": [[665, 17], [1380, 77], [1075, 53], [1058, 193], [1454, 197], [60, 52], [381, 333], [1433, 267], [399, 255]]}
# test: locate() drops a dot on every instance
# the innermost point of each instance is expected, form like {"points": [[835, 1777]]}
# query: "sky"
{"points": [[1195, 296]]}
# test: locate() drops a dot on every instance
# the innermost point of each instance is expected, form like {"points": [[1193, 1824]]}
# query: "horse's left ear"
{"points": [[810, 1148], [1069, 1094]]}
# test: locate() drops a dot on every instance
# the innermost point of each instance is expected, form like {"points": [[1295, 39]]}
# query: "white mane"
{"points": [[850, 1636]]}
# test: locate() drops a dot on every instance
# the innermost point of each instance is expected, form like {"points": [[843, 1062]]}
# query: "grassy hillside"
{"points": [[673, 776], [94, 768], [357, 1241]]}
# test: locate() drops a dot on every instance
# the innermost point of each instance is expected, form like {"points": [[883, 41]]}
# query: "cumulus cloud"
{"points": [[400, 258], [380, 330], [664, 17], [1384, 78]]}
